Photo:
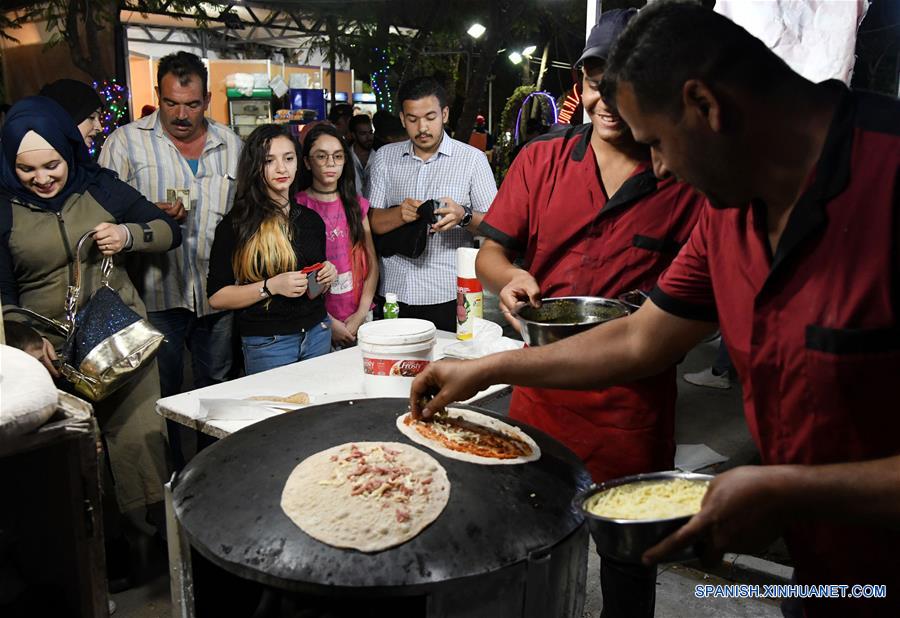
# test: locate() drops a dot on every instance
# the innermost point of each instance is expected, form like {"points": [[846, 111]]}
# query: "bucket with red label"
{"points": [[393, 353]]}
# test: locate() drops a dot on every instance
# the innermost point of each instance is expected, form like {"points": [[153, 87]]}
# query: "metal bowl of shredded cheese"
{"points": [[629, 515]]}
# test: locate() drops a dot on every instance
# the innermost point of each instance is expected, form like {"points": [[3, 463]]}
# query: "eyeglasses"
{"points": [[321, 158]]}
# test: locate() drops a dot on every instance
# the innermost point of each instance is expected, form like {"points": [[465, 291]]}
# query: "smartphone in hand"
{"points": [[313, 287]]}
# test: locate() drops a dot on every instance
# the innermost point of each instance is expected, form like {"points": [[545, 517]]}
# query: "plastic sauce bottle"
{"points": [[391, 308], [469, 293]]}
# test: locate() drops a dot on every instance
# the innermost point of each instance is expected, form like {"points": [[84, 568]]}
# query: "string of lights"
{"points": [[115, 105], [380, 82]]}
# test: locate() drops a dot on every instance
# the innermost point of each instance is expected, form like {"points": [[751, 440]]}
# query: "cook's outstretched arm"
{"points": [[616, 352]]}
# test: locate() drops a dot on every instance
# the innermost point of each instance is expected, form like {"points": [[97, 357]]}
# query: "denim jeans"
{"points": [[209, 340], [262, 353]]}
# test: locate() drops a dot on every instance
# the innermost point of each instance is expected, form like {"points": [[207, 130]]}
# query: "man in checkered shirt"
{"points": [[429, 165]]}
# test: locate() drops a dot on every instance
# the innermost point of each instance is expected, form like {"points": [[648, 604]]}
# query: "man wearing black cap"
{"points": [[585, 211]]}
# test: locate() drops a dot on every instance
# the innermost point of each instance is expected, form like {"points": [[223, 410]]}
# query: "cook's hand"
{"points": [[340, 335], [451, 214], [521, 290], [290, 284], [448, 381], [48, 356], [173, 209], [742, 511], [409, 209], [110, 238], [327, 274]]}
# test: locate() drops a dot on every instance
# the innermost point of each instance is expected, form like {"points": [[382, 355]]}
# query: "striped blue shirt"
{"points": [[457, 171], [144, 157]]}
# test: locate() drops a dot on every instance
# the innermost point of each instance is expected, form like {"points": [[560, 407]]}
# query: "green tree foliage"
{"points": [[78, 24]]}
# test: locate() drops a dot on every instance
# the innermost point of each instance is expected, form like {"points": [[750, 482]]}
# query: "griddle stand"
{"points": [[525, 589], [180, 570]]}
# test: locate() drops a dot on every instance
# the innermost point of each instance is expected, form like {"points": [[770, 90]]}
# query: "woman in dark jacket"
{"points": [[51, 193]]}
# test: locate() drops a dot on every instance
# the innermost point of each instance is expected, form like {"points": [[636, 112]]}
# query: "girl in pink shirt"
{"points": [[330, 190]]}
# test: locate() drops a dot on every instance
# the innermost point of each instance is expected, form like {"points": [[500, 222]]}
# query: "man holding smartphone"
{"points": [[429, 165]]}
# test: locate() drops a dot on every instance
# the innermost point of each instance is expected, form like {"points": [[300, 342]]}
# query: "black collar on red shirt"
{"points": [[584, 132], [832, 174], [641, 184]]}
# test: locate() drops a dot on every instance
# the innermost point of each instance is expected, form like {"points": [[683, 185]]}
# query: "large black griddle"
{"points": [[228, 502]]}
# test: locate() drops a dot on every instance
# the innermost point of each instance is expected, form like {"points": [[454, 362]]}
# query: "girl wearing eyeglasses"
{"points": [[330, 190], [258, 257]]}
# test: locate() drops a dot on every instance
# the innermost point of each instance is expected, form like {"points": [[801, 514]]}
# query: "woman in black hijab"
{"points": [[51, 193], [81, 102]]}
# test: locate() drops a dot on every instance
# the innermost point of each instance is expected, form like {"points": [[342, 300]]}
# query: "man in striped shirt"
{"points": [[429, 165], [187, 165]]}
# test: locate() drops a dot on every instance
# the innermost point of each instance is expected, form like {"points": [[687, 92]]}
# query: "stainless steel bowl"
{"points": [[558, 318], [626, 540]]}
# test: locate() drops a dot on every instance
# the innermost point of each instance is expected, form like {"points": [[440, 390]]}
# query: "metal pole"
{"points": [[332, 53], [468, 69], [540, 78], [491, 104], [594, 8], [181, 572], [593, 14]]}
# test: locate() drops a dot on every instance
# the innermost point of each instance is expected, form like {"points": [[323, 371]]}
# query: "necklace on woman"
{"points": [[332, 215]]}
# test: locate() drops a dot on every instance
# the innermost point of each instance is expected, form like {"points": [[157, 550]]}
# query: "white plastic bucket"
{"points": [[393, 353]]}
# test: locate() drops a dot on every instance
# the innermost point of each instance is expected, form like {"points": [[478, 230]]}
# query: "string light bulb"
{"points": [[115, 103]]}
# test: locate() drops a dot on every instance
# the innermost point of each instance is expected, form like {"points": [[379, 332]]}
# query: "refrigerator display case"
{"points": [[246, 113]]}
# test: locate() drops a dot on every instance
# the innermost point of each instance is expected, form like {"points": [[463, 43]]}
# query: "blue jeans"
{"points": [[209, 340], [262, 353]]}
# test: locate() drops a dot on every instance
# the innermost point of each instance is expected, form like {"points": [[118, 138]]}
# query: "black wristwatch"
{"points": [[467, 217], [264, 290]]}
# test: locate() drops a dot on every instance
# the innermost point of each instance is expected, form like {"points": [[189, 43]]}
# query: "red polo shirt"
{"points": [[552, 209], [813, 330]]}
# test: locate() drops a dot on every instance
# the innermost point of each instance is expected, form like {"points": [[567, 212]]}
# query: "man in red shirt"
{"points": [[586, 212], [799, 262]]}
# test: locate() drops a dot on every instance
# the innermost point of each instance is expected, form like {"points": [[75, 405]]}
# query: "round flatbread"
{"points": [[473, 437], [367, 496]]}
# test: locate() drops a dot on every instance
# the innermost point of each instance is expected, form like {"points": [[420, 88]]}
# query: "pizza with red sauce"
{"points": [[470, 436]]}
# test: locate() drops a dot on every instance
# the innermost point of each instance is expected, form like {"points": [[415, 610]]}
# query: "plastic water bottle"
{"points": [[391, 308]]}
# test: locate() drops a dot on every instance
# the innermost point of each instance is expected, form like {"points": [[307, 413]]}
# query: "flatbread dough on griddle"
{"points": [[479, 419], [402, 492]]}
